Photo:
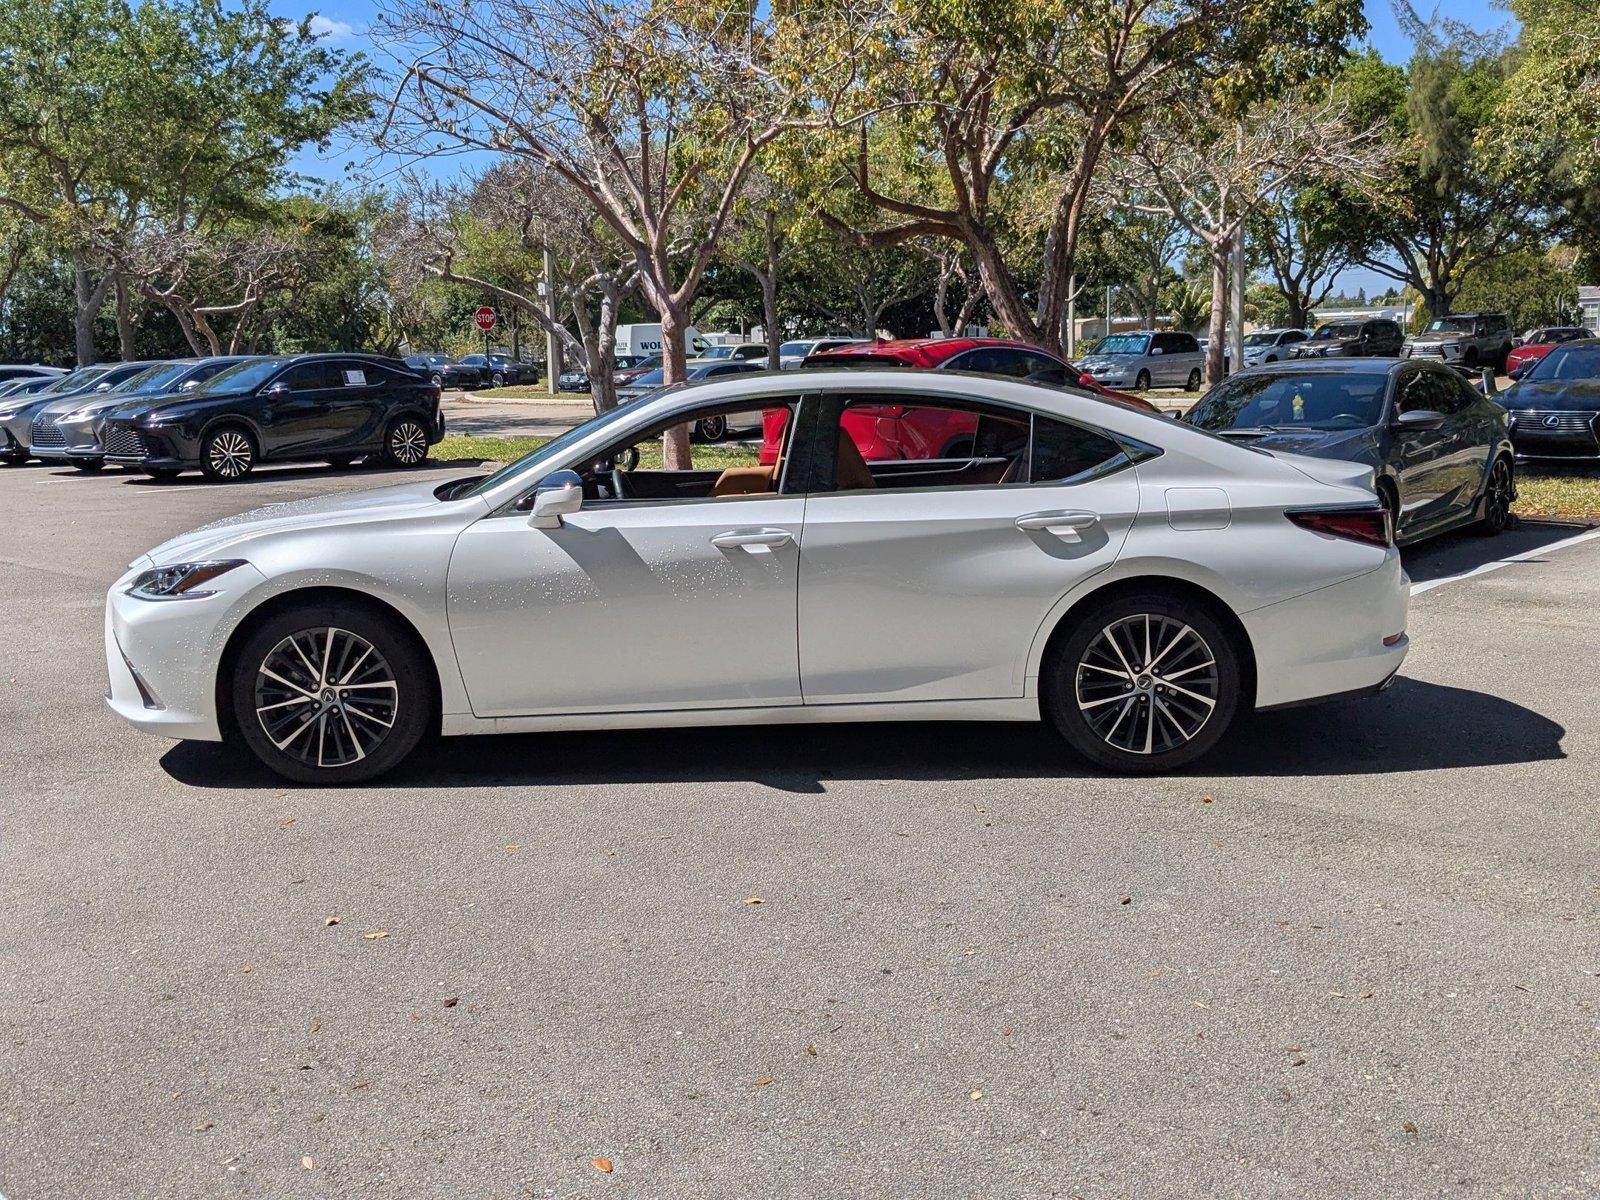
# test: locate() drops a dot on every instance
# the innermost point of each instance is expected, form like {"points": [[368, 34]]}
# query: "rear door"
{"points": [[294, 418], [927, 580], [358, 392]]}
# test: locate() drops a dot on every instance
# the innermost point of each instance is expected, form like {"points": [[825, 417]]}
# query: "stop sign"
{"points": [[485, 318]]}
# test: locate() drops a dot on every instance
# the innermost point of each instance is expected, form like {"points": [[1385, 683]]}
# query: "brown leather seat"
{"points": [[850, 472], [745, 481]]}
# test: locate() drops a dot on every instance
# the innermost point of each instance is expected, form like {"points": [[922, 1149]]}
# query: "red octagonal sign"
{"points": [[486, 319]]}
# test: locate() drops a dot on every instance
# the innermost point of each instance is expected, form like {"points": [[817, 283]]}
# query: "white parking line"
{"points": [[1538, 552]]}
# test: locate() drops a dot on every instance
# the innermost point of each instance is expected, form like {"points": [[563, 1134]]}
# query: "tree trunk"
{"points": [[88, 296], [126, 336], [675, 442], [1010, 309], [769, 314], [1219, 251]]}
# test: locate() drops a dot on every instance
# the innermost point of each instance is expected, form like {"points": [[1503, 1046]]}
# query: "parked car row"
{"points": [[472, 370], [223, 415]]}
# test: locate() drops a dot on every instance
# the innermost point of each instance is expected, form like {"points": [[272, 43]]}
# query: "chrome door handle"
{"points": [[1068, 526], [755, 541]]}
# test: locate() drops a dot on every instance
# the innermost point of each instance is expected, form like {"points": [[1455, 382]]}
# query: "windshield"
{"points": [[80, 378], [1450, 325], [795, 349], [157, 379], [545, 453], [242, 378], [1293, 401], [1122, 343], [649, 379], [1568, 362], [718, 352], [1337, 331], [1261, 339]]}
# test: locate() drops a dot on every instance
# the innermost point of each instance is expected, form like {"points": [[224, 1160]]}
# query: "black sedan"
{"points": [[443, 371], [329, 407], [1554, 405], [1439, 449], [499, 370]]}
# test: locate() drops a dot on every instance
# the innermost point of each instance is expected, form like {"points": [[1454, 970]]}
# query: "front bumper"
{"points": [[162, 655], [1447, 354], [1330, 642]]}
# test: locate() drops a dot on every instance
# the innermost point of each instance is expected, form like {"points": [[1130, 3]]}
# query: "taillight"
{"points": [[1369, 525]]}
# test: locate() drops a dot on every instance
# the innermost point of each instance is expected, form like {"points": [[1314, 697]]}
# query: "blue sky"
{"points": [[345, 23]]}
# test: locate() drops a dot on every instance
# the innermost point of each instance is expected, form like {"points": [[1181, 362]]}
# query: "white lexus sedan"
{"points": [[1135, 582]]}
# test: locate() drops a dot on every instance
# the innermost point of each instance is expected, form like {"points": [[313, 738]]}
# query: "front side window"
{"points": [[242, 377]]}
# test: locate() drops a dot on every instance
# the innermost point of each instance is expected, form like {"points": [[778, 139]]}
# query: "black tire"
{"points": [[1084, 681], [1192, 384], [91, 465], [14, 459], [1498, 491], [498, 379], [161, 474], [1141, 382], [436, 379], [405, 443], [711, 429], [1390, 499], [227, 454], [355, 732], [1470, 358]]}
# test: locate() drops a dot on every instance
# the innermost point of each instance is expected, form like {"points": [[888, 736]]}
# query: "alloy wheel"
{"points": [[713, 429], [408, 443], [230, 456], [1147, 684], [1497, 497], [327, 697]]}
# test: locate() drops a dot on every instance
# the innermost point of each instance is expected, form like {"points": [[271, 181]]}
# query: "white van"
{"points": [[645, 341]]}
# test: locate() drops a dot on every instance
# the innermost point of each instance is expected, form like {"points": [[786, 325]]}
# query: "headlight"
{"points": [[180, 580]]}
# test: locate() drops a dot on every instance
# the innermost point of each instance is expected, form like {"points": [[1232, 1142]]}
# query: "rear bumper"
{"points": [[1330, 643]]}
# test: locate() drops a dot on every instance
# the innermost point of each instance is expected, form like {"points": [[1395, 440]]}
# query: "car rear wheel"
{"points": [[406, 443], [227, 454], [1144, 682], [328, 694], [1142, 383], [1193, 384], [1497, 494], [712, 429]]}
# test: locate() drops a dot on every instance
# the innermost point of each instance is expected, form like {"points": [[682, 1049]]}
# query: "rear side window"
{"points": [[1063, 452], [306, 377]]}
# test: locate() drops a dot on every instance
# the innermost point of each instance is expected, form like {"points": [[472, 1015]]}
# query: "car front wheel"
{"points": [[227, 454], [327, 694], [712, 429], [1497, 495], [1193, 384], [406, 443], [1143, 683], [498, 379], [1142, 383]]}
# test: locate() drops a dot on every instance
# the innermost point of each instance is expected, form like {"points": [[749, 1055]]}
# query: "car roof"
{"points": [[1335, 366], [922, 351]]}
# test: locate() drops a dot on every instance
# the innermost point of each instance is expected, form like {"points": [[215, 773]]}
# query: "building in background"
{"points": [[1589, 305]]}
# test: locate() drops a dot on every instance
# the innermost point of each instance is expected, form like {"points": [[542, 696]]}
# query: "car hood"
{"points": [[318, 512], [1558, 395], [83, 403], [1096, 362], [137, 406]]}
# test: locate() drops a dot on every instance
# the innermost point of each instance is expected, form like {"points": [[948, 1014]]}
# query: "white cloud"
{"points": [[326, 27]]}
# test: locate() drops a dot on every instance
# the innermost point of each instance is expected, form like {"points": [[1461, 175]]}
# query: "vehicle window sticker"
{"points": [[355, 378]]}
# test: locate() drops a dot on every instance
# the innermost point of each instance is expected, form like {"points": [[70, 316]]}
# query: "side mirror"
{"points": [[559, 494], [1086, 379], [276, 389], [1154, 350], [1419, 419]]}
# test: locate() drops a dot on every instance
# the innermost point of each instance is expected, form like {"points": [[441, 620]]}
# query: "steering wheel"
{"points": [[1353, 418]]}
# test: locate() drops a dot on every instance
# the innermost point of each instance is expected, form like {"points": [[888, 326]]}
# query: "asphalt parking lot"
{"points": [[1355, 954]]}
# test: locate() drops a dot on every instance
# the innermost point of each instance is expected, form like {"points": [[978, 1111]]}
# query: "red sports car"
{"points": [[1539, 342], [893, 431]]}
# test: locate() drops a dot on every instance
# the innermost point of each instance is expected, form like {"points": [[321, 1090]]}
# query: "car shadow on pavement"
{"points": [[1455, 553], [1414, 726]]}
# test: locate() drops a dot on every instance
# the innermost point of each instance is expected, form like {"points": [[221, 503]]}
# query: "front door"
{"points": [[677, 593], [927, 581], [1423, 457]]}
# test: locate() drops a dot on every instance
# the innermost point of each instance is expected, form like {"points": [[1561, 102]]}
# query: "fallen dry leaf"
{"points": [[762, 1082], [603, 1165], [811, 1050], [975, 1094], [451, 1001], [316, 1027], [1366, 996], [1299, 1062], [1410, 1127], [1157, 972], [752, 900], [285, 823], [373, 935], [359, 1084], [333, 920], [245, 970], [305, 1161], [1205, 799], [202, 1127], [1006, 1032], [1126, 900]]}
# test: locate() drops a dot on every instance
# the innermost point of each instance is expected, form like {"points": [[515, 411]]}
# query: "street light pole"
{"points": [[552, 347]]}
